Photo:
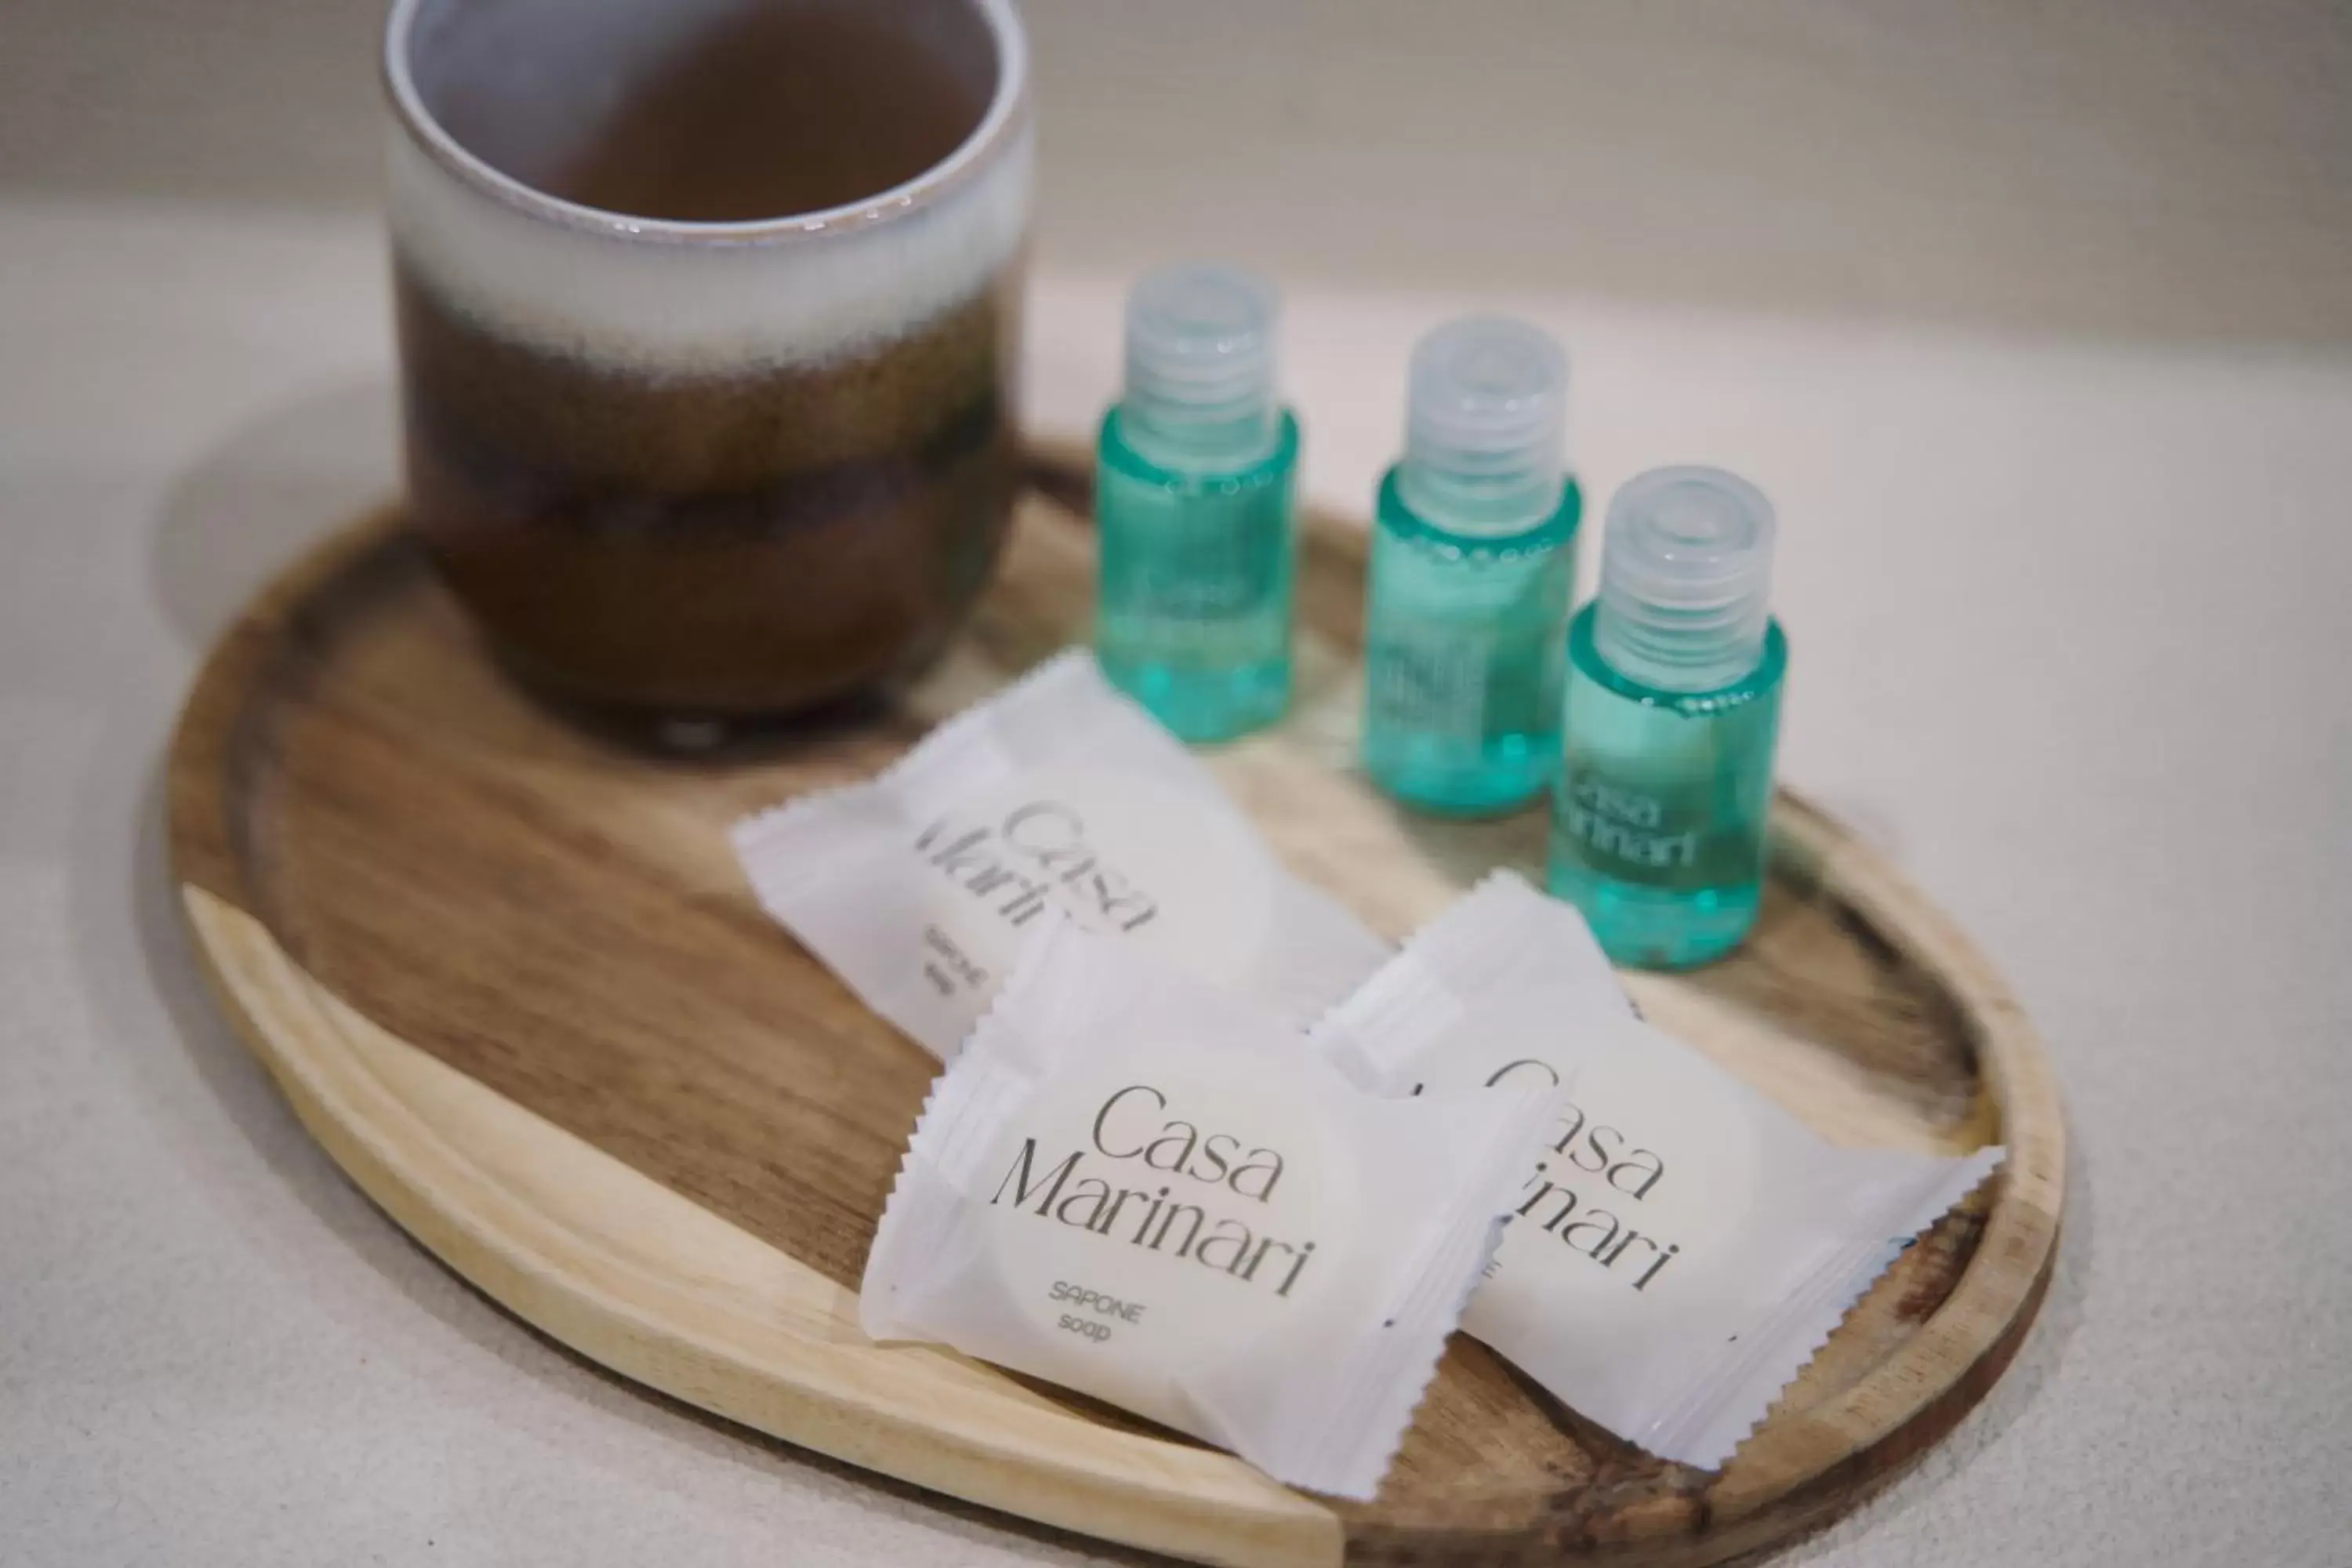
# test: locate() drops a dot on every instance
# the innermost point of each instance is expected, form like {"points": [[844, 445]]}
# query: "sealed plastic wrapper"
{"points": [[1681, 1247], [1136, 1186], [1056, 793]]}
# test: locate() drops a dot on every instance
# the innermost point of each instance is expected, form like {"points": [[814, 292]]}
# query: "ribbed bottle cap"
{"points": [[1685, 578], [1200, 354], [1485, 426]]}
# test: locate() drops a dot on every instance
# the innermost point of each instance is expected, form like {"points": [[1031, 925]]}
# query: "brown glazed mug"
{"points": [[707, 314]]}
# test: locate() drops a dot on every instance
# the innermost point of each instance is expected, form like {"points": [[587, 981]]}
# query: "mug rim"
{"points": [[1005, 110]]}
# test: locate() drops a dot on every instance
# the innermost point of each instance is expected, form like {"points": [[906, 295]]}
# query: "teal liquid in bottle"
{"points": [[1472, 568], [1195, 475], [1669, 722]]}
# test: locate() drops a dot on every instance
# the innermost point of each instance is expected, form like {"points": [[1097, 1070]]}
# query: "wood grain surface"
{"points": [[509, 977]]}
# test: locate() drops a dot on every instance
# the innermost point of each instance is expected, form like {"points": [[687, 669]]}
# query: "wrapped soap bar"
{"points": [[1682, 1246], [1143, 1188], [1057, 793]]}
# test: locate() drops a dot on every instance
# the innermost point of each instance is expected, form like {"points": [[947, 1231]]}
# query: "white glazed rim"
{"points": [[1005, 110]]}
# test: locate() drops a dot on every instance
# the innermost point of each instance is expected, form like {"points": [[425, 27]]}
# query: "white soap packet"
{"points": [[1682, 1245], [1058, 792], [1138, 1186]]}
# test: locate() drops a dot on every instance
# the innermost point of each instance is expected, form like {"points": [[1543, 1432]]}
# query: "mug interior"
{"points": [[702, 111]]}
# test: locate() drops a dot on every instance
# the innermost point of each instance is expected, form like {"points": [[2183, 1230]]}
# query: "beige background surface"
{"points": [[2165, 168], [2035, 320]]}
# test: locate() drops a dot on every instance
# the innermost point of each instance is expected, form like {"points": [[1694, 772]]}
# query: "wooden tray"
{"points": [[511, 979]]}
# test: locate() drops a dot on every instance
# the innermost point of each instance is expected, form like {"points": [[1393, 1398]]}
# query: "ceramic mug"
{"points": [[707, 314]]}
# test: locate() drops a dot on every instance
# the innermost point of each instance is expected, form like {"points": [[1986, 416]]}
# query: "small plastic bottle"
{"points": [[1672, 710], [1473, 566], [1194, 476]]}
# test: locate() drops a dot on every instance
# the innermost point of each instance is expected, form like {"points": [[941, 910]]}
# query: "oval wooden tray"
{"points": [[510, 978]]}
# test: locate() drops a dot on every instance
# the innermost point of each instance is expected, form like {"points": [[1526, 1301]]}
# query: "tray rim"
{"points": [[366, 1097]]}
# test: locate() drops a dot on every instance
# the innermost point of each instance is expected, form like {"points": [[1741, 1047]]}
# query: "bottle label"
{"points": [[1640, 831], [1206, 582], [1431, 676], [1673, 834]]}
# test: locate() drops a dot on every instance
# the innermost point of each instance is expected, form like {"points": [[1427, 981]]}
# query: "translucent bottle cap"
{"points": [[1486, 424], [1200, 351], [1685, 578]]}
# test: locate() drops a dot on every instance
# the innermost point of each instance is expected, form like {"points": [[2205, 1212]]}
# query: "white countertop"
{"points": [[2069, 641]]}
